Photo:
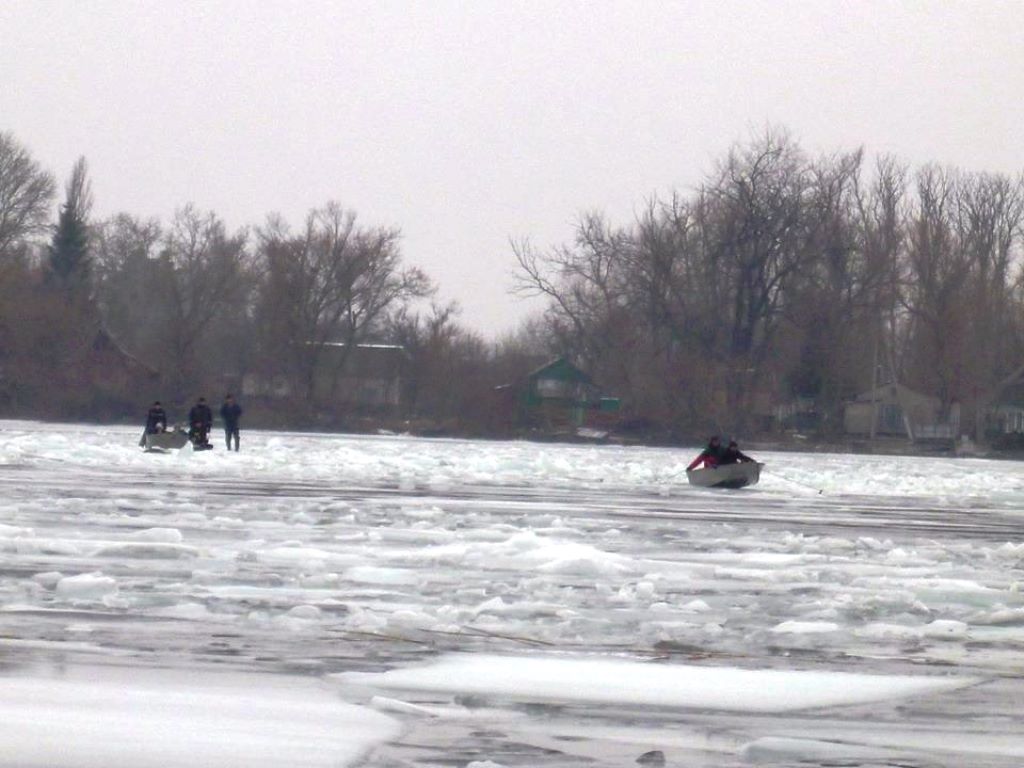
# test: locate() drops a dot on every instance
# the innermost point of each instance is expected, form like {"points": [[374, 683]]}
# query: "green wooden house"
{"points": [[558, 396]]}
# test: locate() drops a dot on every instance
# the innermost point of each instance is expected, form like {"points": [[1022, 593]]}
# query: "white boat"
{"points": [[727, 476]]}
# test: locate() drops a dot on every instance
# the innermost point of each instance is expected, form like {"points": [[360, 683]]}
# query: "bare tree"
{"points": [[332, 283], [881, 215], [26, 192], [130, 283], [445, 379], [938, 271], [584, 281], [590, 316], [703, 277], [989, 226], [205, 272], [757, 223], [831, 305]]}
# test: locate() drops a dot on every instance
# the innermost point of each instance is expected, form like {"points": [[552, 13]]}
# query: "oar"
{"points": [[678, 474], [795, 482]]}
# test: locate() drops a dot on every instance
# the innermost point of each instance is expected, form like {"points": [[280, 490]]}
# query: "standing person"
{"points": [[200, 419], [231, 412], [156, 418], [711, 456], [156, 421]]}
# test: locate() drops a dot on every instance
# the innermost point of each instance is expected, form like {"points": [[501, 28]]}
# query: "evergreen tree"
{"points": [[69, 249]]}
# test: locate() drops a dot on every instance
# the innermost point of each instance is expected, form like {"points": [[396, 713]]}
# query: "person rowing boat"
{"points": [[718, 467], [711, 456]]}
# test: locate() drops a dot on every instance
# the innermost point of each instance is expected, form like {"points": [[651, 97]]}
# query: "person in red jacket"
{"points": [[710, 456]]}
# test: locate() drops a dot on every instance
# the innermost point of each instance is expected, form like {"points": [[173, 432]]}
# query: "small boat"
{"points": [[727, 476], [166, 441]]}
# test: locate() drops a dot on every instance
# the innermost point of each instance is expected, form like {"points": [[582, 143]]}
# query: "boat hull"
{"points": [[166, 441], [728, 476]]}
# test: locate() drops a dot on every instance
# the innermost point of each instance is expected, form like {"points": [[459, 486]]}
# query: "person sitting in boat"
{"points": [[711, 456], [200, 419], [156, 419], [733, 455]]}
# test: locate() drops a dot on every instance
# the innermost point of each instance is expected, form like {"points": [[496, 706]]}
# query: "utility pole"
{"points": [[874, 383]]}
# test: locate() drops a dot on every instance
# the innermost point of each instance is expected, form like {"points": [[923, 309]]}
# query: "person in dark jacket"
{"points": [[733, 455], [231, 412], [200, 419], [711, 456], [156, 419]]}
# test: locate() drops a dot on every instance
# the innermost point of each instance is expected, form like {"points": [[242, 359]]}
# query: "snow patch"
{"points": [[86, 587], [664, 685], [805, 627], [165, 721]]}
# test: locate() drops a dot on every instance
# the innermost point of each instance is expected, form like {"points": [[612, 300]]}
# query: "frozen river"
{"points": [[323, 600]]}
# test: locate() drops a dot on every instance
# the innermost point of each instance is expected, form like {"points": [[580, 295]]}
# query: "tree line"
{"points": [[784, 277], [189, 306], [781, 278]]}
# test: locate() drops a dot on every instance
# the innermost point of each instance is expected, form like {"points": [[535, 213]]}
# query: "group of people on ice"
{"points": [[200, 422], [714, 455]]}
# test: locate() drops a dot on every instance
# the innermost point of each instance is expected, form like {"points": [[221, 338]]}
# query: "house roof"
{"points": [[342, 345], [894, 391], [365, 360], [561, 369], [1012, 395]]}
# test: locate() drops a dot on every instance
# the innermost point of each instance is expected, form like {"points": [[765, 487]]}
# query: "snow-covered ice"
{"points": [[389, 601], [671, 686], [153, 719]]}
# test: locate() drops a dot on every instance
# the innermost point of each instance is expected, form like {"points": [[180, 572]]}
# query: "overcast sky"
{"points": [[467, 123]]}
